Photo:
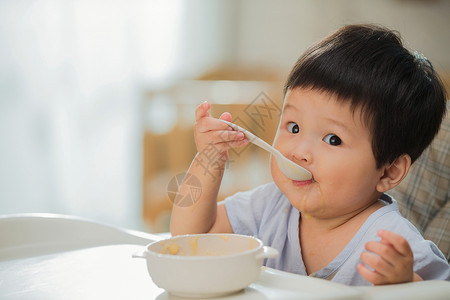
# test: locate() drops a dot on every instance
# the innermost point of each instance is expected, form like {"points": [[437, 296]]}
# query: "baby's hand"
{"points": [[214, 136], [391, 260]]}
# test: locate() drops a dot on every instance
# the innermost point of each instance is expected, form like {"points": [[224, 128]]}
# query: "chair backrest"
{"points": [[423, 195]]}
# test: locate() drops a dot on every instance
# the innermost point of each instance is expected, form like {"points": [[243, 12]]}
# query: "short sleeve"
{"points": [[429, 262]]}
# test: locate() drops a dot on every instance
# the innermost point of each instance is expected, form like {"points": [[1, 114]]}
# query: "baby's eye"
{"points": [[332, 139], [293, 127]]}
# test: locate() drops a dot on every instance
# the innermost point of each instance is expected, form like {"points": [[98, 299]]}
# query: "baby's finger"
{"points": [[211, 124], [202, 111], [377, 263], [222, 136], [226, 116], [386, 251], [399, 243], [238, 143], [231, 144], [228, 136], [220, 144], [371, 276]]}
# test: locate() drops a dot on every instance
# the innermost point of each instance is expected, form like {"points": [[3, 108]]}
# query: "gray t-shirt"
{"points": [[267, 214]]}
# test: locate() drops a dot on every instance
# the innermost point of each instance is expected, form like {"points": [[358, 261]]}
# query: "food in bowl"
{"points": [[205, 265]]}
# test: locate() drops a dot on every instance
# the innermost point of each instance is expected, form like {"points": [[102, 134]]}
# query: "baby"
{"points": [[359, 109]]}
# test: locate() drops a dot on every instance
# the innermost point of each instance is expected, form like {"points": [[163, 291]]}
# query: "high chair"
{"points": [[423, 195], [50, 256]]}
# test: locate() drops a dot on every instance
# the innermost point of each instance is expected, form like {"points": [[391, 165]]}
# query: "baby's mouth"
{"points": [[303, 182]]}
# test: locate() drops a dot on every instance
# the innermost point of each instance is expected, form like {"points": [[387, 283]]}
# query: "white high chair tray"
{"points": [[49, 270], [109, 272]]}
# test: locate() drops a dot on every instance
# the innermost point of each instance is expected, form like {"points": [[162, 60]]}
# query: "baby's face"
{"points": [[328, 139]]}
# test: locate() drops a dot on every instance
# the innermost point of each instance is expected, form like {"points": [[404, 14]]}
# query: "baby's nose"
{"points": [[307, 157], [302, 155]]}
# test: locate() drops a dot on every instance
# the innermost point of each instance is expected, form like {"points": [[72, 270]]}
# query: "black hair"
{"points": [[398, 91]]}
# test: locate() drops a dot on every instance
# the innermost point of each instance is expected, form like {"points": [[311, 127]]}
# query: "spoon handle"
{"points": [[253, 138]]}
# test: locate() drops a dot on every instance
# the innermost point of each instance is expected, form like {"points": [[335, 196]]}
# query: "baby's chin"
{"points": [[307, 214], [307, 198]]}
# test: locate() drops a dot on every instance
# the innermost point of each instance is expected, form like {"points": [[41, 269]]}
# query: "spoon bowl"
{"points": [[287, 166]]}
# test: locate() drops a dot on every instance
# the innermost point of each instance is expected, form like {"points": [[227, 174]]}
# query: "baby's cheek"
{"points": [[275, 171], [273, 167]]}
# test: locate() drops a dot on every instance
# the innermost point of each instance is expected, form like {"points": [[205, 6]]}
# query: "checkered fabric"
{"points": [[423, 195]]}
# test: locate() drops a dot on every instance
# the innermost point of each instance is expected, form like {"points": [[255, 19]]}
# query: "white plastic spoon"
{"points": [[288, 167]]}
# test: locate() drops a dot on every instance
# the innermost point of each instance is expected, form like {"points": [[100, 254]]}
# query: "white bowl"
{"points": [[205, 265]]}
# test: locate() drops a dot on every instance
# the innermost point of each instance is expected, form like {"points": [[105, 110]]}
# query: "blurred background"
{"points": [[97, 97]]}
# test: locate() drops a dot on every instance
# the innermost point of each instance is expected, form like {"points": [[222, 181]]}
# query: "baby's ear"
{"points": [[394, 173]]}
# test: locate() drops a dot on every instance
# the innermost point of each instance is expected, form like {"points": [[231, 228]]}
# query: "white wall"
{"points": [[277, 32], [73, 75], [69, 132]]}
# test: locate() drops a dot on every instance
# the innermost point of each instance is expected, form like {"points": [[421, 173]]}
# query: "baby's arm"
{"points": [[213, 138], [391, 260]]}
